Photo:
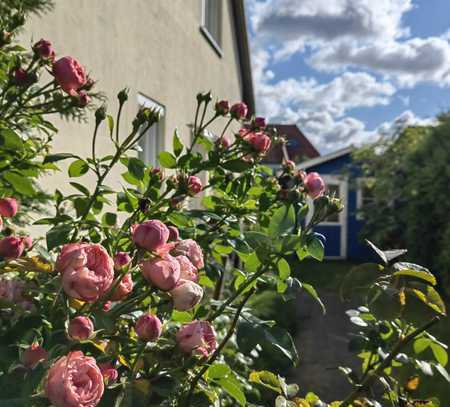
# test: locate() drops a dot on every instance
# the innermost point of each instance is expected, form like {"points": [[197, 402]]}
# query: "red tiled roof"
{"points": [[298, 147]]}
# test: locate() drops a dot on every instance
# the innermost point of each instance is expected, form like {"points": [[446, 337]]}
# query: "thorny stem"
{"points": [[219, 349], [368, 380]]}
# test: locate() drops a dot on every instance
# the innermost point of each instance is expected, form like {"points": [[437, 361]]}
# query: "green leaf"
{"points": [[284, 270], [58, 236], [266, 379], [238, 165], [282, 221], [218, 370], [110, 123], [258, 240], [78, 168], [177, 144], [443, 372], [20, 183], [9, 139], [313, 293], [80, 188], [439, 353], [167, 160], [414, 270], [109, 219], [316, 248], [421, 344], [51, 158], [234, 389], [136, 168]]}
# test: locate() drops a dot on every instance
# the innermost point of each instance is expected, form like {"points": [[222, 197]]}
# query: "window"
{"points": [[152, 143], [333, 190], [365, 195], [212, 23]]}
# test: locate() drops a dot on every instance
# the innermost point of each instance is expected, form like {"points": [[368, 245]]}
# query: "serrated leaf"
{"points": [[167, 160], [282, 221], [78, 168]]}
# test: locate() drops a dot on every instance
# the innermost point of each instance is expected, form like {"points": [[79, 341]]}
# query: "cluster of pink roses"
{"points": [[67, 71], [87, 274], [12, 247]]}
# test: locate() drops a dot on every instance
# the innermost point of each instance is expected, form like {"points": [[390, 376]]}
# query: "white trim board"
{"points": [[324, 158]]}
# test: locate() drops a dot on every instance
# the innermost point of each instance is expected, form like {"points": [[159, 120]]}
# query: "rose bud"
{"points": [[191, 250], [69, 74], [109, 374], [187, 270], [222, 107], [21, 77], [83, 99], [239, 110], [74, 380], [259, 141], [43, 49], [197, 337], [11, 247], [148, 328], [121, 259], [90, 83], [223, 142], [194, 185], [87, 271], [314, 184], [260, 122], [289, 165], [80, 328], [163, 273], [8, 207], [156, 172], [124, 288], [150, 235], [107, 306], [33, 355], [174, 234], [27, 242], [186, 295]]}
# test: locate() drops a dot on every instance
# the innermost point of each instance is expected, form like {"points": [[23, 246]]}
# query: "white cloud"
{"points": [[409, 62]]}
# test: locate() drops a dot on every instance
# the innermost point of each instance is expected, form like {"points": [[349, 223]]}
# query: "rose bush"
{"points": [[134, 298]]}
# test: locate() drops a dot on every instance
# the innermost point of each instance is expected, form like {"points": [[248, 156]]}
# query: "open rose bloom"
{"points": [[74, 380], [197, 337], [87, 271]]}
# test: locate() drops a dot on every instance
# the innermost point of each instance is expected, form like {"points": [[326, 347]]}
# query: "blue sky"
{"points": [[347, 71]]}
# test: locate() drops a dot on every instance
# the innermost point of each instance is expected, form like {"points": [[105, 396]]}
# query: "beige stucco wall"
{"points": [[154, 47]]}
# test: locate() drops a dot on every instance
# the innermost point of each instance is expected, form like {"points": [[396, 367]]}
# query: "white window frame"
{"points": [[343, 215], [145, 101], [217, 45], [359, 195]]}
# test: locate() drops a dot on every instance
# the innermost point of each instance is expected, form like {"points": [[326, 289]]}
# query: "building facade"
{"points": [[165, 52], [342, 231]]}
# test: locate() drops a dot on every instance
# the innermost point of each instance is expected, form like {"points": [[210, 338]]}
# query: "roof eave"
{"points": [[324, 158]]}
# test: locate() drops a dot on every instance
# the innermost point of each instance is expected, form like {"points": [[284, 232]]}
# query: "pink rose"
{"points": [[163, 273], [87, 271], [197, 337], [44, 49], [121, 259], [259, 141], [222, 107], [74, 380], [69, 74], [1, 222], [174, 234], [187, 269], [314, 184], [148, 327], [21, 77], [8, 207], [243, 132], [260, 122], [239, 110], [194, 185], [124, 288], [224, 142], [27, 242], [11, 247], [107, 306], [80, 328], [150, 235], [33, 355], [110, 374], [191, 250], [186, 295], [83, 99]]}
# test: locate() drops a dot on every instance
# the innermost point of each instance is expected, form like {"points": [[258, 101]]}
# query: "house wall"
{"points": [[152, 47]]}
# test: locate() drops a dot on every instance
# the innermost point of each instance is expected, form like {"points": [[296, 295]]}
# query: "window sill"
{"points": [[211, 41]]}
